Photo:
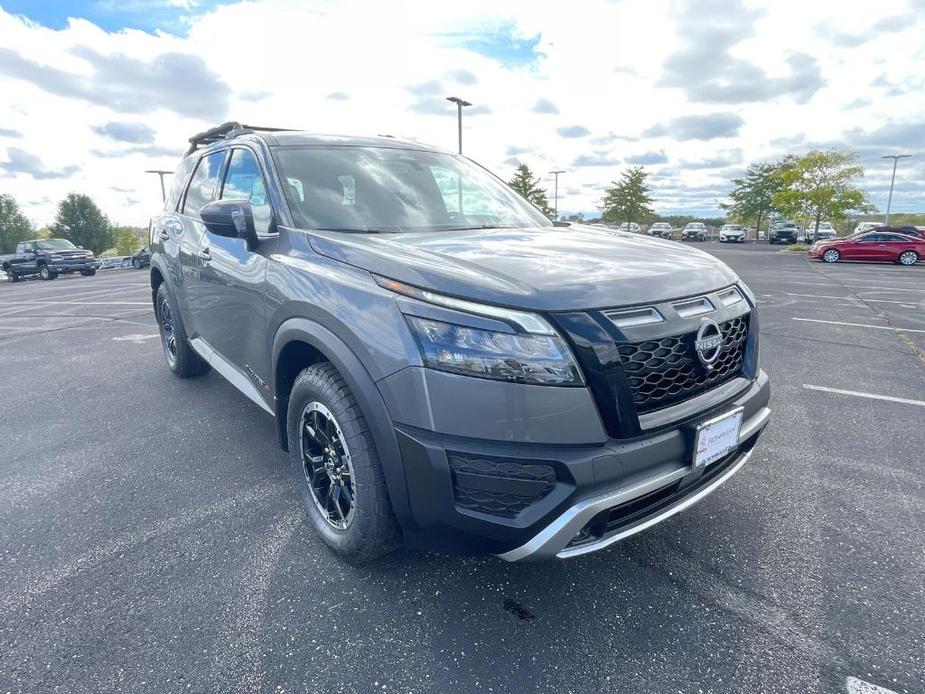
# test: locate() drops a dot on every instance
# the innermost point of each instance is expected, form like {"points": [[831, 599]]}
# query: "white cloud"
{"points": [[604, 74]]}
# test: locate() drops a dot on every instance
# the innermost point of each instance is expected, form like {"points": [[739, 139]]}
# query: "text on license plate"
{"points": [[717, 438]]}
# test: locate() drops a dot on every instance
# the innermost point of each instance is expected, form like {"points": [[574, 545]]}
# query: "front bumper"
{"points": [[526, 501], [65, 266]]}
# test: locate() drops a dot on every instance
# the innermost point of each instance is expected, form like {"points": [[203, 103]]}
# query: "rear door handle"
{"points": [[204, 254]]}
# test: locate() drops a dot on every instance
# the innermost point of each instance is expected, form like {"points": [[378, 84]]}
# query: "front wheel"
{"points": [[336, 467], [136, 263], [46, 274], [831, 256], [908, 258]]}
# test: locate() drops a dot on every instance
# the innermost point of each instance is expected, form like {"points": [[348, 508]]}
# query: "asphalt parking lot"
{"points": [[151, 540]]}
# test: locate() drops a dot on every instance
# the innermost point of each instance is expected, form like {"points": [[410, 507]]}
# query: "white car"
{"points": [[866, 226], [629, 226], [661, 229], [732, 233], [825, 232]]}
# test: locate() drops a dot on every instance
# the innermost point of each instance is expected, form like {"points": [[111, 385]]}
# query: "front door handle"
{"points": [[204, 254]]}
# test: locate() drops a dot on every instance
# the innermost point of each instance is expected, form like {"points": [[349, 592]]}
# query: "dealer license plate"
{"points": [[717, 438]]}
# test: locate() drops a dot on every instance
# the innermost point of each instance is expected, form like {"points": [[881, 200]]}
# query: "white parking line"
{"points": [[869, 396], [852, 298], [137, 339], [859, 686], [863, 288], [856, 325], [75, 303]]}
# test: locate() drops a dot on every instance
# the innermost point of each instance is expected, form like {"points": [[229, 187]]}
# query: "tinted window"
{"points": [[55, 245], [872, 238], [179, 181], [203, 183], [244, 182]]}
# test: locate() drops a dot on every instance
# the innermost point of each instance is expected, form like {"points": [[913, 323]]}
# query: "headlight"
{"points": [[521, 358]]}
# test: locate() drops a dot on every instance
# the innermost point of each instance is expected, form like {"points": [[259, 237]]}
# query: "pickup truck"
{"points": [[48, 258]]}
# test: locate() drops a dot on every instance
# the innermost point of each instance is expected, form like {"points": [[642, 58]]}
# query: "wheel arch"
{"points": [[299, 343]]}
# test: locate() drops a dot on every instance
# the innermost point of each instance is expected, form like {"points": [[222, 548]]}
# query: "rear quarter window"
{"points": [[180, 176]]}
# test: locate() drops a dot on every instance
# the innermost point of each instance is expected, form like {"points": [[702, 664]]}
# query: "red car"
{"points": [[874, 245]]}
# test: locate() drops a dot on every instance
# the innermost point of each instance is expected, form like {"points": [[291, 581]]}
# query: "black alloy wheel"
{"points": [[327, 466]]}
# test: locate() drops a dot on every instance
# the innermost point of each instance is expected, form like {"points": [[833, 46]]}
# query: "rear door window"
{"points": [[202, 185]]}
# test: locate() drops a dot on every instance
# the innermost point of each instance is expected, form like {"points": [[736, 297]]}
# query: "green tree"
{"points": [[126, 240], [752, 199], [14, 226], [820, 185], [82, 223], [527, 185], [627, 200]]}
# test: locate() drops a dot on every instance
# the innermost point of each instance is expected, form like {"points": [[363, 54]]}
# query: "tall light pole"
{"points": [[889, 200], [161, 173], [555, 197], [459, 107]]}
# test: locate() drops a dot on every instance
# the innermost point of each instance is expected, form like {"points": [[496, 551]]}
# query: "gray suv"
{"points": [[447, 368]]}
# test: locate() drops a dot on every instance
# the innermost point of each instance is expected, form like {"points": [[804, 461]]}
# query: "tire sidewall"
{"points": [[316, 384], [835, 259], [914, 255]]}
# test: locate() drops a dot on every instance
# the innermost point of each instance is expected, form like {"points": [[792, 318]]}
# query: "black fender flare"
{"points": [[367, 394]]}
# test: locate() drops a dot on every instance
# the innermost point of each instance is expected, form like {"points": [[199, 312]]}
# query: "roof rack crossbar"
{"points": [[225, 131]]}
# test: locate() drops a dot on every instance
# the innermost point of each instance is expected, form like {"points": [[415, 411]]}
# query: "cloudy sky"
{"points": [[97, 91]]}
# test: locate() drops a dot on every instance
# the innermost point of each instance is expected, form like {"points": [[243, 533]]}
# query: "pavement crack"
{"points": [[903, 337]]}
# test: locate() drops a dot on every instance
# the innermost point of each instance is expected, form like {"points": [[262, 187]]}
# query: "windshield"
{"points": [[661, 225], [372, 189], [55, 245]]}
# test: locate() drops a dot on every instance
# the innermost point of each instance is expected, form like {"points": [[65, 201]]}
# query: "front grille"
{"points": [[497, 486], [666, 371]]}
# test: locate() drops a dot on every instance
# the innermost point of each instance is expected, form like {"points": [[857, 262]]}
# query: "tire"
{"points": [[12, 276], [831, 256], [181, 359], [358, 525], [46, 274], [88, 273], [908, 258], [136, 263]]}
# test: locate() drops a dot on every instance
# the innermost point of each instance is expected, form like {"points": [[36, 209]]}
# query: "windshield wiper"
{"points": [[483, 226], [355, 230]]}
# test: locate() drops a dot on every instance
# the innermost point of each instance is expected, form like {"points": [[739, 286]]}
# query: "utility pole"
{"points": [[161, 173], [555, 197], [459, 107], [889, 201]]}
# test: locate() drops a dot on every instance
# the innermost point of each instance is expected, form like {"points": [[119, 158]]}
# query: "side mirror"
{"points": [[232, 219]]}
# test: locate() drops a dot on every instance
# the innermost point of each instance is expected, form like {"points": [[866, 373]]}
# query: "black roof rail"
{"points": [[225, 131]]}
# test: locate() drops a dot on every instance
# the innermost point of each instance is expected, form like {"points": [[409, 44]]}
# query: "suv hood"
{"points": [[543, 269]]}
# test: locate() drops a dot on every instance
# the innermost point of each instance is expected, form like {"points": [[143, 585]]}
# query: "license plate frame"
{"points": [[722, 434]]}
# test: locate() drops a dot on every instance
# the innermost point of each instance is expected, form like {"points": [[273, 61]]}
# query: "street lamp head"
{"points": [[558, 171], [896, 156], [459, 102]]}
